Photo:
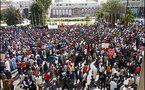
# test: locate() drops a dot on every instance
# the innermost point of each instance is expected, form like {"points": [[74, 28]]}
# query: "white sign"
{"points": [[53, 26], [105, 45], [2, 56]]}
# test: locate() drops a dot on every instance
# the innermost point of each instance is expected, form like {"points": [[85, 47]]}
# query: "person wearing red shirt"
{"points": [[85, 68], [19, 67], [68, 63], [23, 63], [137, 70], [36, 71], [29, 52], [46, 77]]}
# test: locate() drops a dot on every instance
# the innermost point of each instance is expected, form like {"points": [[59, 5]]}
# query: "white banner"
{"points": [[53, 26], [105, 45], [2, 56]]}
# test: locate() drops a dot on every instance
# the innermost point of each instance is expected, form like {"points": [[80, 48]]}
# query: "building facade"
{"points": [[23, 5], [73, 9], [137, 6], [4, 4]]}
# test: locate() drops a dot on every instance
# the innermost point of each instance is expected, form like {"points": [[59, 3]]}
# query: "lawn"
{"points": [[84, 23]]}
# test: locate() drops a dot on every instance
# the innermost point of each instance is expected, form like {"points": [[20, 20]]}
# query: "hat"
{"points": [[131, 75], [125, 82], [54, 79]]}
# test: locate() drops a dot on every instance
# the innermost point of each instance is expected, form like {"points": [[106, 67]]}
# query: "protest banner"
{"points": [[53, 26], [105, 45], [2, 56], [111, 52]]}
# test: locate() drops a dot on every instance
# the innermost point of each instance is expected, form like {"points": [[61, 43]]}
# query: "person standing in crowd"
{"points": [[112, 53]]}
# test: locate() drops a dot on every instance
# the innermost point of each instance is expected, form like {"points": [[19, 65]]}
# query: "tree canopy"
{"points": [[45, 3], [129, 17], [38, 12], [12, 16], [111, 9]]}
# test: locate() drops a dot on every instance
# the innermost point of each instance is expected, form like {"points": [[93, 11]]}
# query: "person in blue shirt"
{"points": [[13, 63], [72, 77]]}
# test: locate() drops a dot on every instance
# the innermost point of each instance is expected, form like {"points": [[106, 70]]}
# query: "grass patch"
{"points": [[85, 23]]}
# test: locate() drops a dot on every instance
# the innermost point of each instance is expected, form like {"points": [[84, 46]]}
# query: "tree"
{"points": [[12, 16], [45, 3], [128, 17], [112, 7], [37, 14], [122, 18], [3, 13], [39, 11], [87, 18], [100, 14]]}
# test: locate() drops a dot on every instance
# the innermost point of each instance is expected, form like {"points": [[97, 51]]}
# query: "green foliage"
{"points": [[129, 17], [111, 9], [121, 19], [87, 18], [3, 13], [100, 14], [113, 6], [85, 23], [12, 16], [45, 3], [38, 12]]}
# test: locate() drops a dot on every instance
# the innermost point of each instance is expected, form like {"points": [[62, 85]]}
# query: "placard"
{"points": [[53, 26], [2, 56], [105, 45], [111, 52]]}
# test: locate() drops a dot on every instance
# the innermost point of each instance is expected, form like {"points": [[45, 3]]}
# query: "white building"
{"points": [[4, 4], [136, 6], [74, 9], [22, 3]]}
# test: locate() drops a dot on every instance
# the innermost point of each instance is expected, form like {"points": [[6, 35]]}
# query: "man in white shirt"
{"points": [[84, 76], [113, 85], [7, 65]]}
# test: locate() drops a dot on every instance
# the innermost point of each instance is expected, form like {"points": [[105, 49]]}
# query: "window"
{"points": [[86, 4], [66, 4], [60, 4]]}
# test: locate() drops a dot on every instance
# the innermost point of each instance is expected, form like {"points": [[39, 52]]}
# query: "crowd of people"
{"points": [[51, 59]]}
